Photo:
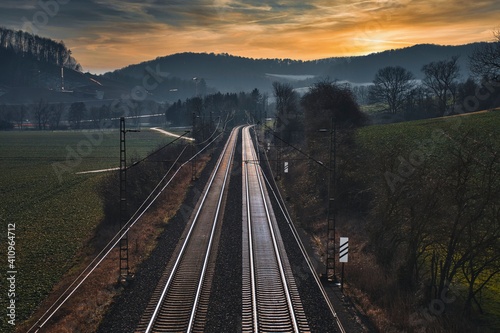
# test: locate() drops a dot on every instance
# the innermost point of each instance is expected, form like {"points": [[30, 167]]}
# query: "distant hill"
{"points": [[363, 69], [30, 68], [229, 73], [25, 80], [27, 60], [36, 48], [224, 72]]}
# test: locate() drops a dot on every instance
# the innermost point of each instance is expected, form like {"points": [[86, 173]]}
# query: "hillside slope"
{"points": [[229, 73], [31, 69]]}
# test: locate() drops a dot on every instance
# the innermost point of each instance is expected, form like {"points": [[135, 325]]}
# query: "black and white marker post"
{"points": [[343, 257]]}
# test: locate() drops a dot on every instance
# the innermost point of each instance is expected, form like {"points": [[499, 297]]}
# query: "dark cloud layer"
{"points": [[106, 34]]}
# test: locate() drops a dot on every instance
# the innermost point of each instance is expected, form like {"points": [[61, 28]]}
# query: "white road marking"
{"points": [[171, 134], [96, 171]]}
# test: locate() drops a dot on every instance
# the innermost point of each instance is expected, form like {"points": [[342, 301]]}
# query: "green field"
{"points": [[433, 139], [54, 209], [408, 135]]}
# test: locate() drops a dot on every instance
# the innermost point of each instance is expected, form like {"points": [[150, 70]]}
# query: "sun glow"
{"points": [[113, 34]]}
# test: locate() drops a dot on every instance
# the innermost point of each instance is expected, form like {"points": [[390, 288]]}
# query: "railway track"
{"points": [[338, 326], [271, 301], [180, 301]]}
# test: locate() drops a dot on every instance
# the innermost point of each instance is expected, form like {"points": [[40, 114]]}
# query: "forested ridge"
{"points": [[38, 48], [232, 73]]}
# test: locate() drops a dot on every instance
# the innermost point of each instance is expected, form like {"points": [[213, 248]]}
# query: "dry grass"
{"points": [[366, 283], [85, 309]]}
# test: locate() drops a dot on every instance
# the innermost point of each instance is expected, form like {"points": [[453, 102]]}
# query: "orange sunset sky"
{"points": [[109, 34]]}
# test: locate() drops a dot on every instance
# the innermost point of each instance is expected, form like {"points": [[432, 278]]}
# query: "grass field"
{"points": [[54, 209], [409, 135], [430, 137]]}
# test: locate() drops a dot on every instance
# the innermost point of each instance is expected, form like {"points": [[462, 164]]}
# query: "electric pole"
{"points": [[123, 244], [332, 204]]}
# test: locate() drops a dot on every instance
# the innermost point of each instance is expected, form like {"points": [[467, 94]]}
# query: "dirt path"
{"points": [[171, 134]]}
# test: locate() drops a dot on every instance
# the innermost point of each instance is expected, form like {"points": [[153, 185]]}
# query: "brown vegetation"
{"points": [[85, 309], [420, 205]]}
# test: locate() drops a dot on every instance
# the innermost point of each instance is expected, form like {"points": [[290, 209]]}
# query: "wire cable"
{"points": [[289, 144], [109, 244], [109, 247], [286, 215], [157, 150]]}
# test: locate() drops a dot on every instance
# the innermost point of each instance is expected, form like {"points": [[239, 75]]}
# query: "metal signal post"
{"points": [[124, 263], [332, 205], [278, 158], [193, 163]]}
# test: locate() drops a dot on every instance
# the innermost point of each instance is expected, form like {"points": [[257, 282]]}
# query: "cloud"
{"points": [[114, 33]]}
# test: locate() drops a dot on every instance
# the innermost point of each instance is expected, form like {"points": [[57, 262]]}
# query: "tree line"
{"points": [[204, 112], [38, 48], [440, 92], [429, 217], [42, 115]]}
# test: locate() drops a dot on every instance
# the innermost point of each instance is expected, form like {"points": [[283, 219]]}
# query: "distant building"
{"points": [[27, 125]]}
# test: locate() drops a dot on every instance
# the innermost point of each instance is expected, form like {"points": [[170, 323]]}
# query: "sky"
{"points": [[109, 34]]}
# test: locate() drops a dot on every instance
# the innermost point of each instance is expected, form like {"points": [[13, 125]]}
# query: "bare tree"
{"points": [[6, 117], [56, 112], [362, 94], [440, 78], [136, 112], [468, 238], [485, 61], [42, 49], [20, 114], [481, 239], [286, 103], [327, 100], [77, 112], [41, 112], [195, 107], [392, 85], [441, 223], [255, 104]]}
